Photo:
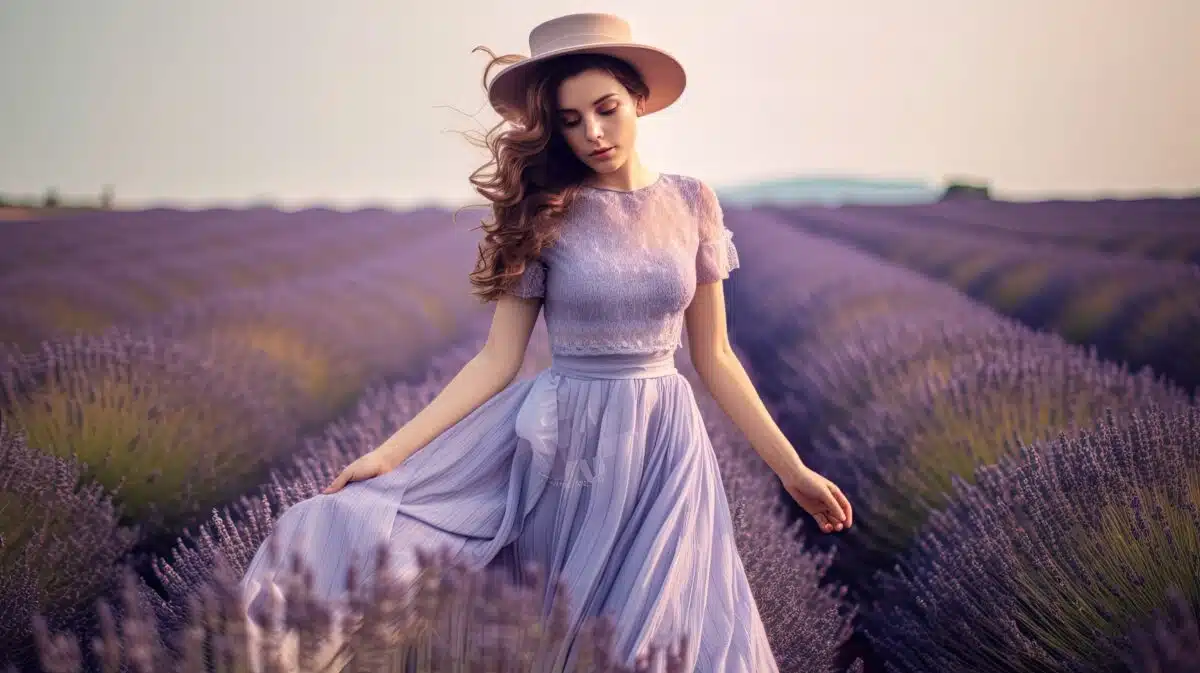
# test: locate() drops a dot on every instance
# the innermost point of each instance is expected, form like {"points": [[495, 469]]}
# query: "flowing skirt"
{"points": [[601, 471]]}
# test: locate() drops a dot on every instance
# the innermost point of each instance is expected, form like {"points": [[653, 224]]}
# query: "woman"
{"points": [[599, 469]]}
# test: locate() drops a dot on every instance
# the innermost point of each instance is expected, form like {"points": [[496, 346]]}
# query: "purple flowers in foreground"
{"points": [[384, 623], [1050, 559]]}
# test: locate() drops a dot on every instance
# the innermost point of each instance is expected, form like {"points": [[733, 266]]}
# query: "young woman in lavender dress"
{"points": [[599, 469]]}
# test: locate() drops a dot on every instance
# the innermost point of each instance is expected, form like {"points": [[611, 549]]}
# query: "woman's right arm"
{"points": [[489, 372]]}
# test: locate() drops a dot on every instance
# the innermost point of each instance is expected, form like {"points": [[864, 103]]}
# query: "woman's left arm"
{"points": [[723, 375]]}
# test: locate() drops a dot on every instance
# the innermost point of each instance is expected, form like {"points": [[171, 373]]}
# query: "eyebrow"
{"points": [[595, 102]]}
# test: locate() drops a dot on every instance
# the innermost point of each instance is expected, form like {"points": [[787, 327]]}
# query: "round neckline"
{"points": [[628, 191]]}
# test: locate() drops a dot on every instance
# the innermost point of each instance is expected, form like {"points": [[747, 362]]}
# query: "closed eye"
{"points": [[606, 113]]}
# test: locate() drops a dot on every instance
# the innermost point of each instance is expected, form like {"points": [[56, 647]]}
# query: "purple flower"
{"points": [[59, 542], [1054, 556]]}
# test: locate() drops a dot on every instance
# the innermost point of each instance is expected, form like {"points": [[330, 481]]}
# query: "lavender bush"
{"points": [[166, 433], [897, 386], [1053, 556], [59, 541], [1133, 310], [943, 429]]}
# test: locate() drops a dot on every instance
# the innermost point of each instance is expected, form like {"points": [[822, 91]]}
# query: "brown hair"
{"points": [[536, 175]]}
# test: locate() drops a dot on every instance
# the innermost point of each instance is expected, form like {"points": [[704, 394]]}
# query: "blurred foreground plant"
{"points": [[1170, 641], [451, 619]]}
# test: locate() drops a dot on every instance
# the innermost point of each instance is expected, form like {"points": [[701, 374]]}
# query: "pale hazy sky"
{"points": [[347, 102]]}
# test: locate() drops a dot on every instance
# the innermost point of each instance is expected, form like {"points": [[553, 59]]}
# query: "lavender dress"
{"points": [[599, 468]]}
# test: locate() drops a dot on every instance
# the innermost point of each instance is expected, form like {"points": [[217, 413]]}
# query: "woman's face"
{"points": [[597, 113]]}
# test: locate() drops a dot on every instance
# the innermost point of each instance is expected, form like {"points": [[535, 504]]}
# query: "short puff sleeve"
{"points": [[532, 282], [716, 255]]}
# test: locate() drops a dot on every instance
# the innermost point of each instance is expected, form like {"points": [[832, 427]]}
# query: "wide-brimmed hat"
{"points": [[588, 33]]}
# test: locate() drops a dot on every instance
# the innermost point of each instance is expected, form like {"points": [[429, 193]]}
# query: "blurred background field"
{"points": [[969, 294]]}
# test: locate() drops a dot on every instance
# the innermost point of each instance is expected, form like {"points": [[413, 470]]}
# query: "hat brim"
{"points": [[664, 76]]}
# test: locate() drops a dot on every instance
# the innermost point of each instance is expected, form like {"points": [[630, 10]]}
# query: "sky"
{"points": [[357, 102]]}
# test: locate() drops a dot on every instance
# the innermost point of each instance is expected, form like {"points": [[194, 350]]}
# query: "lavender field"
{"points": [[1153, 228], [1123, 277], [173, 381]]}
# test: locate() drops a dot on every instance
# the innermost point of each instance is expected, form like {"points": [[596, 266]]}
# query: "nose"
{"points": [[592, 128]]}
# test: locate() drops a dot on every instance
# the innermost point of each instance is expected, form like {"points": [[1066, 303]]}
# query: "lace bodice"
{"points": [[626, 266]]}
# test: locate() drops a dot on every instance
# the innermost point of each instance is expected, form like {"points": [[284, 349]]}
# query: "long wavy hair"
{"points": [[533, 176]]}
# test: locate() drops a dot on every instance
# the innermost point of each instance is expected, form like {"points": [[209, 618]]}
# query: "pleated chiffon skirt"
{"points": [[600, 470]]}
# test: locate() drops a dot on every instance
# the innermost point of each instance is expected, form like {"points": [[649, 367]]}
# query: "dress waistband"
{"points": [[615, 366]]}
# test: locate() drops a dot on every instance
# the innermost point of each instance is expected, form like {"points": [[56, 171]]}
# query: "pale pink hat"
{"points": [[593, 33]]}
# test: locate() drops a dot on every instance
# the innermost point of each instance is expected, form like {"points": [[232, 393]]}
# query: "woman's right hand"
{"points": [[370, 465]]}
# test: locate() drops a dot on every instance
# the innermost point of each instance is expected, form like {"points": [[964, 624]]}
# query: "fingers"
{"points": [[338, 483], [847, 509], [834, 508], [838, 514], [826, 522]]}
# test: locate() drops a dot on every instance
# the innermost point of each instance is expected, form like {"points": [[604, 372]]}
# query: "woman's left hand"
{"points": [[821, 498]]}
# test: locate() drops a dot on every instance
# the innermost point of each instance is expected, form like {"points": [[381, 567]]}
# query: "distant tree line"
{"points": [[52, 199]]}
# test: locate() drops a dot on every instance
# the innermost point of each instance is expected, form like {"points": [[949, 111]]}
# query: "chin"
{"points": [[606, 166]]}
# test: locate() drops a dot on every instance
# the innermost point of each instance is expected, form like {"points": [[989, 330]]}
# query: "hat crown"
{"points": [[575, 30], [587, 33]]}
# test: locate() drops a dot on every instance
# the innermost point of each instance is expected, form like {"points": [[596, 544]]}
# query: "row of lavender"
{"points": [[114, 235], [1154, 228], [177, 413], [1020, 504], [807, 625], [92, 271], [1133, 310], [186, 410]]}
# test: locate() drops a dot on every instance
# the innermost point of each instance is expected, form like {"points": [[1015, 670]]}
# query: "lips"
{"points": [[602, 152]]}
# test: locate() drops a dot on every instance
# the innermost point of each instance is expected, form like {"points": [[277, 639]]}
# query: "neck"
{"points": [[632, 175]]}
